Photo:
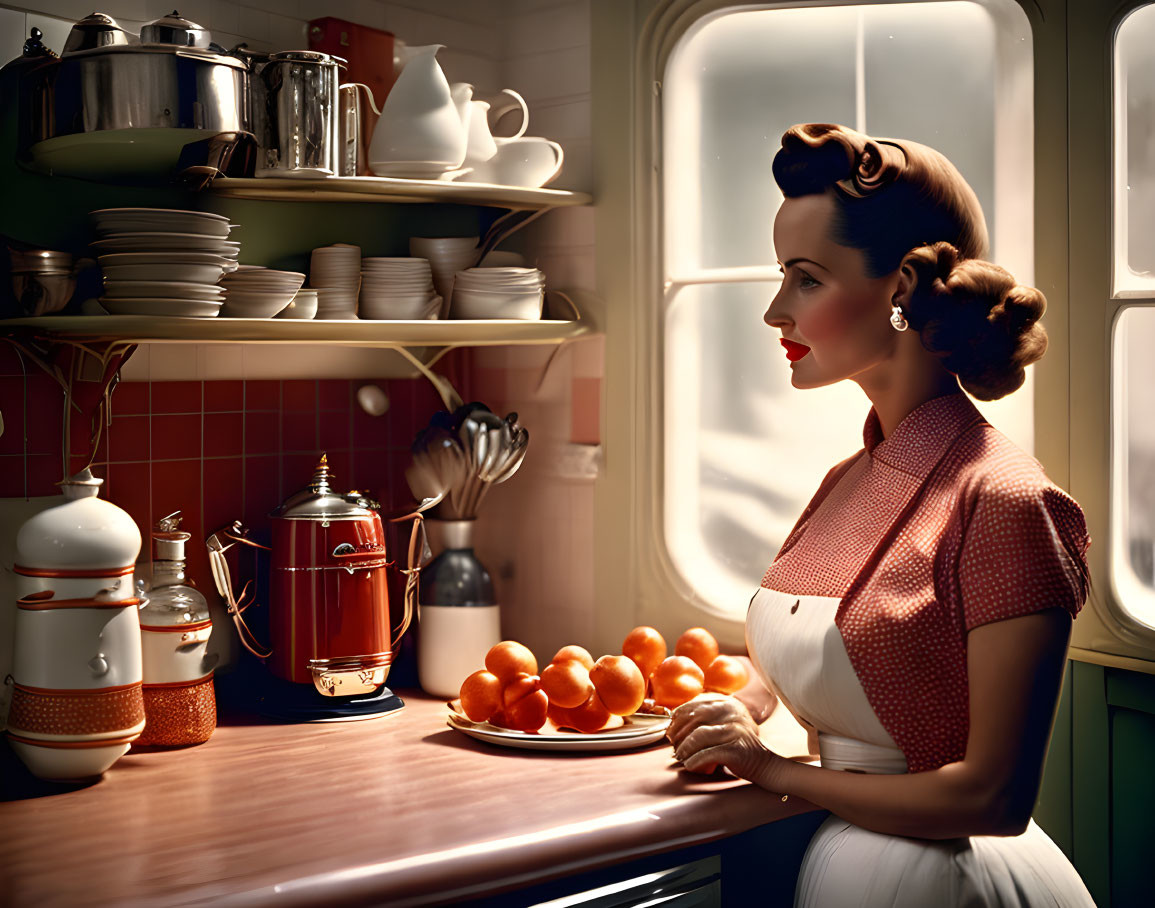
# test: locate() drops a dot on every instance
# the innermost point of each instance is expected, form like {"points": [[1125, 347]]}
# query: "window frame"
{"points": [[634, 581]]}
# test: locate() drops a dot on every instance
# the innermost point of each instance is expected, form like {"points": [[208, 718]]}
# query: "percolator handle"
{"points": [[236, 532], [413, 571]]}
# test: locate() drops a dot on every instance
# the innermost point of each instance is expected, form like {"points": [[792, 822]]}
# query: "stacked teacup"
{"points": [[335, 273], [446, 256], [508, 292], [397, 288]]}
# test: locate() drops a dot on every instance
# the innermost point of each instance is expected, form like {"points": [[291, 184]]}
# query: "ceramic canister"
{"points": [[77, 668]]}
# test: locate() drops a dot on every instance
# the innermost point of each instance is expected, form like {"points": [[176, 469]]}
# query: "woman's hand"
{"points": [[715, 730]]}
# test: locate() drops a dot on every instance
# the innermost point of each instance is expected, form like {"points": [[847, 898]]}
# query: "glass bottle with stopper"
{"points": [[179, 702]]}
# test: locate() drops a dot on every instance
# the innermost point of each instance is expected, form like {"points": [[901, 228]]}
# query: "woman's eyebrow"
{"points": [[796, 261]]}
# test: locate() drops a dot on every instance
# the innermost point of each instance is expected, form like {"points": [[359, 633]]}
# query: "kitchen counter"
{"points": [[399, 808]]}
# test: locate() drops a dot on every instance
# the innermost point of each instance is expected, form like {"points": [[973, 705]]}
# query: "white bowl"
{"points": [[259, 307], [301, 306], [57, 762], [482, 304], [420, 308]]}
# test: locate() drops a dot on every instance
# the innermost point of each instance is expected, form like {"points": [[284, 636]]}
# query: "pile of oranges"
{"points": [[575, 692]]}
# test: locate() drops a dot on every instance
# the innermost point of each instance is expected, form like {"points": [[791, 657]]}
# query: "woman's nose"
{"points": [[775, 317]]}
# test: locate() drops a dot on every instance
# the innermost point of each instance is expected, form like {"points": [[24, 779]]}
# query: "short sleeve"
{"points": [[1024, 550]]}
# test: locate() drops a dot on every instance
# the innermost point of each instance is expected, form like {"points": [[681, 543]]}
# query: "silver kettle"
{"points": [[295, 113]]}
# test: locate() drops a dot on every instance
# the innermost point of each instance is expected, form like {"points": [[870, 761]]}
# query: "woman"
{"points": [[917, 616]]}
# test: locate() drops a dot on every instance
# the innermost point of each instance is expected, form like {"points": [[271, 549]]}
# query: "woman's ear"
{"points": [[907, 280]]}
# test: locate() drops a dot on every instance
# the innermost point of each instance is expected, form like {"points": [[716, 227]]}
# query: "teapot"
{"points": [[482, 145], [423, 129]]}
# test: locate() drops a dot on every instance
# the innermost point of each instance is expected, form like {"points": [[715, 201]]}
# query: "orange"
{"points": [[520, 687], [698, 644], [526, 714], [577, 653], [591, 716], [507, 658], [567, 683], [725, 675], [677, 680], [619, 683], [646, 647], [481, 695]]}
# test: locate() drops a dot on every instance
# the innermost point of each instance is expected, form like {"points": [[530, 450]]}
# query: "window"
{"points": [[1132, 366], [743, 451]]}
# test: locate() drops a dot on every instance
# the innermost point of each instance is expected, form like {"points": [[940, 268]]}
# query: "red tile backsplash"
{"points": [[216, 450], [176, 397], [176, 436], [129, 438]]}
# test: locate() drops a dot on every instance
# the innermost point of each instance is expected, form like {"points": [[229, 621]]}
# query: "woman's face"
{"points": [[834, 318]]}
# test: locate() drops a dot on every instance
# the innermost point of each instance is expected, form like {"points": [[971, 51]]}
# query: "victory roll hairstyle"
{"points": [[904, 205]]}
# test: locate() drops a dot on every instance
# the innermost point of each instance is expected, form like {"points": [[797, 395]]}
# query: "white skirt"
{"points": [[846, 865]]}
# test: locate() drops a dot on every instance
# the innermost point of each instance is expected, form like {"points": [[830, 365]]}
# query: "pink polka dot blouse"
{"points": [[942, 527]]}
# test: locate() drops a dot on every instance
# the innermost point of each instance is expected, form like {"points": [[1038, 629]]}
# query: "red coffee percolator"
{"points": [[329, 598]]}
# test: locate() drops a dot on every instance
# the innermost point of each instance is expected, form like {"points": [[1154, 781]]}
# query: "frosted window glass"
{"points": [[747, 450], [1133, 470], [743, 450], [1135, 155]]}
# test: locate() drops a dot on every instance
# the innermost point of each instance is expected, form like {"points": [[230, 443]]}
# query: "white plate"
{"points": [[134, 220], [169, 271], [169, 290], [185, 308], [162, 258], [636, 731], [158, 241]]}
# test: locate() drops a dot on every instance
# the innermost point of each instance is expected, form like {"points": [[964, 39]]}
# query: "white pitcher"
{"points": [[482, 145], [423, 130]]}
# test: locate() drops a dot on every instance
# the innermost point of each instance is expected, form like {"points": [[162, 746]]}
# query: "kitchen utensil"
{"points": [[296, 114], [175, 626], [149, 99], [76, 678], [329, 600], [482, 145]]}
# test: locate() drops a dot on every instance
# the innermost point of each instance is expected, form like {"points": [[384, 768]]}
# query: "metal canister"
{"points": [[296, 114]]}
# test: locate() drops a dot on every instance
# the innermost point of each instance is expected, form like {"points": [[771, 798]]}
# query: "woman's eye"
{"points": [[805, 281]]}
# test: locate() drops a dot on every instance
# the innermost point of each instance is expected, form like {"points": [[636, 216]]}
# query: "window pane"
{"points": [[746, 450], [1135, 155], [732, 88], [1133, 470]]}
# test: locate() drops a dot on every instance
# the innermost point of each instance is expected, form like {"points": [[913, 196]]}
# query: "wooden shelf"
{"points": [[390, 190], [140, 329]]}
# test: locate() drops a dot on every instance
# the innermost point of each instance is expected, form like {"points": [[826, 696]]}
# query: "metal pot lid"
{"points": [[318, 500], [175, 29], [305, 56], [93, 31]]}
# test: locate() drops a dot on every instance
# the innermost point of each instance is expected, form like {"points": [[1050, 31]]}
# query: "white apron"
{"points": [[798, 651]]}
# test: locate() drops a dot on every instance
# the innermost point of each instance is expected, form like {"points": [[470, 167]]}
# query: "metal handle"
{"points": [[235, 533]]}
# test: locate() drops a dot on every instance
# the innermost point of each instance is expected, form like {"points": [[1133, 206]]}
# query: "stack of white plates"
{"points": [[159, 261], [252, 292], [508, 292], [446, 255], [397, 288], [335, 273]]}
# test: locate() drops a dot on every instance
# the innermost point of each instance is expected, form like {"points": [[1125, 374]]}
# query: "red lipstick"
{"points": [[794, 351]]}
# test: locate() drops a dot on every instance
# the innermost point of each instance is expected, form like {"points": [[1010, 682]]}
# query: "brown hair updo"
{"points": [[906, 206]]}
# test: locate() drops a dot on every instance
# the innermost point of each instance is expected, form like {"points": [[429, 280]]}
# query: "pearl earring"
{"points": [[897, 320]]}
